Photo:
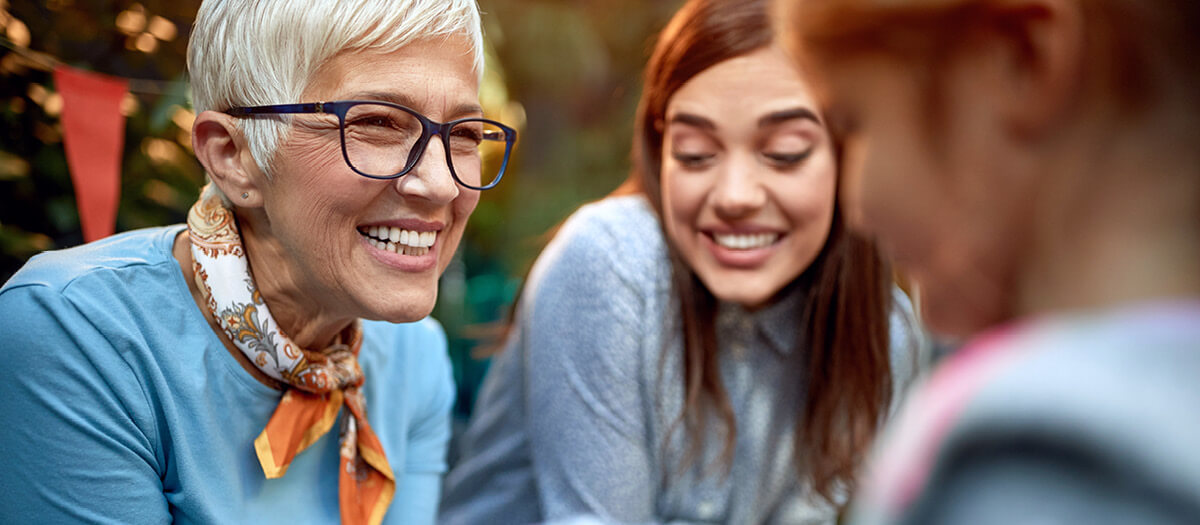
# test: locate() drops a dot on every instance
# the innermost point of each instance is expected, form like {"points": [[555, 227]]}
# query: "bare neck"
{"points": [[307, 313], [1120, 225]]}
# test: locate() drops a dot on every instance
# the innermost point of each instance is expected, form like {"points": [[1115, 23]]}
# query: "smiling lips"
{"points": [[399, 240], [742, 250], [737, 241]]}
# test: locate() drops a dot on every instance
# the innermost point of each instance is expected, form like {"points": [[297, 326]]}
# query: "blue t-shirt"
{"points": [[121, 405]]}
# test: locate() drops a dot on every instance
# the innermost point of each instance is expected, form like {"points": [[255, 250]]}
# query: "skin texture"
{"points": [[734, 164], [301, 226]]}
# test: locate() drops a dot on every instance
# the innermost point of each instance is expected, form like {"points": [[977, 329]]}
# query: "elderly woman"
{"points": [[193, 373], [1036, 165]]}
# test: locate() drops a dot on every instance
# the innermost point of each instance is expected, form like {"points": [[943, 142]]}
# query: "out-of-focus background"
{"points": [[564, 72]]}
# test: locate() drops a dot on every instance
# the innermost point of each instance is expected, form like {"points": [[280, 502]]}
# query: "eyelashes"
{"points": [[787, 160], [775, 159], [693, 160]]}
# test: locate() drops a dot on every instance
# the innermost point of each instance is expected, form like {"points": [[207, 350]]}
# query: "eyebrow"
{"points": [[466, 108], [770, 119], [694, 121], [786, 115]]}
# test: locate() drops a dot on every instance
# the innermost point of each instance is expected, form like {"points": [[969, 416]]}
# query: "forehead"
{"points": [[744, 87], [430, 74]]}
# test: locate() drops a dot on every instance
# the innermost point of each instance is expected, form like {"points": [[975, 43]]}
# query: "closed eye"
{"points": [[692, 160], [374, 122], [787, 160]]}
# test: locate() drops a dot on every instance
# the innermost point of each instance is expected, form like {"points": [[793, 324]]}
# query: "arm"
{"points": [[79, 439], [584, 326]]}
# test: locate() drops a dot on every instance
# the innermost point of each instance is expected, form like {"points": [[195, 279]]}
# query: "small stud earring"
{"points": [[245, 195]]}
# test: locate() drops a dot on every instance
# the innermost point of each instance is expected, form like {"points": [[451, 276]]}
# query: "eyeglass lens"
{"points": [[379, 142]]}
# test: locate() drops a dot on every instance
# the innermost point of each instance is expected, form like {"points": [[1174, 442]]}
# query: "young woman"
{"points": [[1036, 165], [710, 345]]}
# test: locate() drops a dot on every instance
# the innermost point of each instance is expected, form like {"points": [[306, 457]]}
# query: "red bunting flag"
{"points": [[93, 135]]}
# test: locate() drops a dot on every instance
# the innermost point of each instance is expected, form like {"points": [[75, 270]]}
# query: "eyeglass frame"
{"points": [[429, 128]]}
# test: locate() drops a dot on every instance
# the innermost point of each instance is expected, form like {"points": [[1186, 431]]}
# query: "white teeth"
{"points": [[745, 241], [406, 242]]}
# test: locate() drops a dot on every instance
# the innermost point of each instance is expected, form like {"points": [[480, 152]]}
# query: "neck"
{"points": [[305, 313], [1125, 230]]}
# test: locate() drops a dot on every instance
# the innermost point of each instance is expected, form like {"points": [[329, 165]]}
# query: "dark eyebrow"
{"points": [[786, 115], [406, 101], [694, 120]]}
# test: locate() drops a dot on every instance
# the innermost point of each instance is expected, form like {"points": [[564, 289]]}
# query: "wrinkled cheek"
{"points": [[320, 153], [464, 206], [330, 233]]}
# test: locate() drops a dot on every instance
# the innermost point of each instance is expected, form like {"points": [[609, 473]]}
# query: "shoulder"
{"points": [[619, 212], [616, 236], [595, 307], [607, 266], [1115, 382], [1107, 392], [622, 230], [1065, 368], [132, 250], [102, 291], [78, 333]]}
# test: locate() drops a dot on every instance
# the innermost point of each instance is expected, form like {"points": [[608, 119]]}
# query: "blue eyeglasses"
{"points": [[381, 140]]}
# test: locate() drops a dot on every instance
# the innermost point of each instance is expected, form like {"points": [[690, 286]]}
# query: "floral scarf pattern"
{"points": [[318, 382]]}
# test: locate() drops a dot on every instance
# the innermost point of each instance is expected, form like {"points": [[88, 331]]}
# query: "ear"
{"points": [[1047, 52], [222, 150]]}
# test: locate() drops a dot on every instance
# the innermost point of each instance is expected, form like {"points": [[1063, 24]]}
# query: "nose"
{"points": [[739, 189], [430, 178]]}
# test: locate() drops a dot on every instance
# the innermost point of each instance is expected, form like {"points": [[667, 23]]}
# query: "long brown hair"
{"points": [[843, 325]]}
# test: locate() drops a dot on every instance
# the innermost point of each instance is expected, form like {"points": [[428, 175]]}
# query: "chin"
{"points": [[404, 309], [748, 297]]}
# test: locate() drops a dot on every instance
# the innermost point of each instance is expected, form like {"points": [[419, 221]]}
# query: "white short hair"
{"points": [[259, 52]]}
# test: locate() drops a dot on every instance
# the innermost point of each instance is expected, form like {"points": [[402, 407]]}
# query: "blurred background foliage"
{"points": [[566, 73]]}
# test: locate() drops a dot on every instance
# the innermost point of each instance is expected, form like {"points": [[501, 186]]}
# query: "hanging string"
{"points": [[46, 62]]}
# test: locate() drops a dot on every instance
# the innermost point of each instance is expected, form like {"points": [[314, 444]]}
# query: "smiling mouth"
{"points": [[743, 241], [399, 240]]}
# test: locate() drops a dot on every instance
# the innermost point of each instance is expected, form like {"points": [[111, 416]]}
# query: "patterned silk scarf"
{"points": [[319, 382]]}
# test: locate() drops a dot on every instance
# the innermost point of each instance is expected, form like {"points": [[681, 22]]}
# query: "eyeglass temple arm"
{"points": [[277, 109]]}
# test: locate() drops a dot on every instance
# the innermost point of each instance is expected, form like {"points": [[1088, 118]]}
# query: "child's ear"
{"points": [[1047, 50]]}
